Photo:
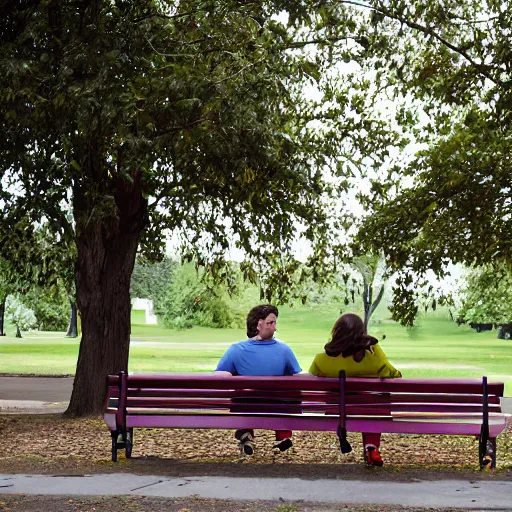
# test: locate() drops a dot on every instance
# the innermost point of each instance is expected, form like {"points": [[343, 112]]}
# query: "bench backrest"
{"points": [[304, 402]]}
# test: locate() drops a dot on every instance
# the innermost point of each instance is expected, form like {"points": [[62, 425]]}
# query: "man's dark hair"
{"points": [[256, 314], [349, 338]]}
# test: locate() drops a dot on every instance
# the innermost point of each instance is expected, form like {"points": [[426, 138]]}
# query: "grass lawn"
{"points": [[436, 347]]}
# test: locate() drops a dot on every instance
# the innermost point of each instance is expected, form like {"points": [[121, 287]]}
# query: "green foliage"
{"points": [[38, 265], [403, 308], [150, 280], [487, 295], [51, 310], [35, 255], [314, 294], [448, 65], [204, 102], [190, 300], [19, 314], [358, 284], [11, 281]]}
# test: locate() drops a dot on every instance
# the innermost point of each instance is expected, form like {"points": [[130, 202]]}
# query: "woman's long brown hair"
{"points": [[348, 338]]}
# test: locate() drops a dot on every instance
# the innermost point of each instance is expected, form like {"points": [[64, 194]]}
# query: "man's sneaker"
{"points": [[283, 445], [246, 444], [372, 456]]}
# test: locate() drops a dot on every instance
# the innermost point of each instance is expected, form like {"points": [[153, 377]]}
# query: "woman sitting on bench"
{"points": [[360, 355]]}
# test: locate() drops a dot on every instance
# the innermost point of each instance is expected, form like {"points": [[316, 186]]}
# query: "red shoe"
{"points": [[372, 456]]}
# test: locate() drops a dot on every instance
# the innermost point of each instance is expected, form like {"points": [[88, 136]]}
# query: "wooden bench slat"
{"points": [[312, 423], [208, 403], [311, 383], [327, 397]]}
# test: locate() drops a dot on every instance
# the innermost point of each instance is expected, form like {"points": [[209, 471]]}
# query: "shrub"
{"points": [[19, 315], [51, 309], [190, 301]]}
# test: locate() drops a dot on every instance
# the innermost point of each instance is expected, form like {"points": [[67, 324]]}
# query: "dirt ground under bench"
{"points": [[52, 443]]}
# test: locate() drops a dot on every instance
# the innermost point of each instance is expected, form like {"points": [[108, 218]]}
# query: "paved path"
{"points": [[35, 394], [43, 389], [480, 495]]}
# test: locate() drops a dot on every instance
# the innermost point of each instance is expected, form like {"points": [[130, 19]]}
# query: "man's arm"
{"points": [[227, 363], [292, 365]]}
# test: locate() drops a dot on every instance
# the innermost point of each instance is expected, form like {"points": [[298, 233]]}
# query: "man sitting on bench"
{"points": [[264, 355]]}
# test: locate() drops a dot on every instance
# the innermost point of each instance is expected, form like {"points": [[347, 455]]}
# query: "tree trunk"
{"points": [[106, 250], [375, 304], [2, 317], [367, 301], [18, 332], [73, 324]]}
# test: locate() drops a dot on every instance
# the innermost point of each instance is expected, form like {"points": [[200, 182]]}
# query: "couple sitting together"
{"points": [[349, 349]]}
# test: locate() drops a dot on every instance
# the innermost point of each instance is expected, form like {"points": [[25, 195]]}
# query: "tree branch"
{"points": [[483, 69], [323, 40], [174, 129], [166, 16]]}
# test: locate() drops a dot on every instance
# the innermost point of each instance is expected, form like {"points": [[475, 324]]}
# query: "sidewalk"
{"points": [[35, 395], [478, 495]]}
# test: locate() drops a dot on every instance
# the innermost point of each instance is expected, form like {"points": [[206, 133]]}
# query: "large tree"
{"points": [[449, 64], [182, 115]]}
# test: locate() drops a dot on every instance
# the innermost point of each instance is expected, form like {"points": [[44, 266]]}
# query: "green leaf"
{"points": [[75, 165]]}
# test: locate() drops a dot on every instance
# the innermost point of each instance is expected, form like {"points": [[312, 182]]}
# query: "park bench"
{"points": [[467, 407]]}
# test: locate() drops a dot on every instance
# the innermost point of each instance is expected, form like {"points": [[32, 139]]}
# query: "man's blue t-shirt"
{"points": [[252, 357]]}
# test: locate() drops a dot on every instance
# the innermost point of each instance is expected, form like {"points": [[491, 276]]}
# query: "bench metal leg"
{"points": [[122, 439], [114, 434]]}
